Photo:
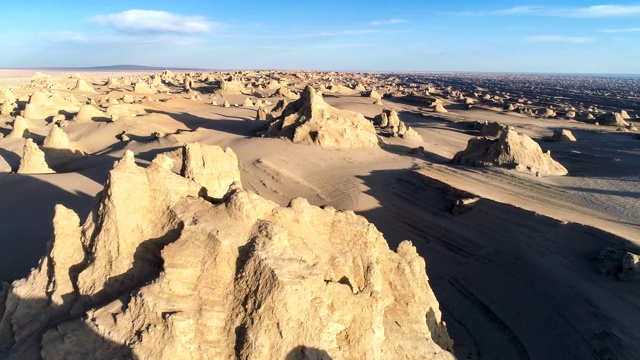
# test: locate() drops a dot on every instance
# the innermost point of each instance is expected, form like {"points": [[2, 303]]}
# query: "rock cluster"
{"points": [[510, 150], [310, 120], [159, 270]]}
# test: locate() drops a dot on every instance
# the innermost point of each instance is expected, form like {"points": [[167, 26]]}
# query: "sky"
{"points": [[420, 35]]}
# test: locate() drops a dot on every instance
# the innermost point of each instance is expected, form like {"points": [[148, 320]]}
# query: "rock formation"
{"points": [[563, 135], [83, 86], [43, 105], [285, 92], [20, 125], [159, 271], [619, 263], [490, 128], [310, 120], [58, 139], [142, 87], [33, 161], [612, 119], [439, 108], [261, 113], [89, 113], [510, 150], [215, 169], [247, 103]]}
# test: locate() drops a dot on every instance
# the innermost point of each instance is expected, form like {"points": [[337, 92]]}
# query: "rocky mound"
{"points": [[33, 161], [83, 86], [510, 150], [43, 105], [20, 126], [611, 119], [310, 120], [159, 271], [563, 135]]}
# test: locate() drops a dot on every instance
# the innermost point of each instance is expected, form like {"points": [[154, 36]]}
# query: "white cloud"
{"points": [[595, 11], [613, 31], [151, 21], [560, 39], [317, 34], [387, 22], [598, 11]]}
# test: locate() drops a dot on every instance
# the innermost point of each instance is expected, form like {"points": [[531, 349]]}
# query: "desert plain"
{"points": [[530, 234]]}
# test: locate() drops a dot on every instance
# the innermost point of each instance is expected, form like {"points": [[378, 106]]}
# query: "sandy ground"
{"points": [[514, 277]]}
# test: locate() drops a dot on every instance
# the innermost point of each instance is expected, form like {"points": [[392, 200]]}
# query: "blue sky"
{"points": [[502, 36]]}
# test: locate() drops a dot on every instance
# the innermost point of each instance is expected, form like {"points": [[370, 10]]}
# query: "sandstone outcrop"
{"points": [[160, 271], [563, 135], [20, 126], [310, 120], [510, 150], [83, 86], [89, 113], [33, 161]]}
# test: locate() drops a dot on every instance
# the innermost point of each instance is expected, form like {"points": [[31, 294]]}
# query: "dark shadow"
{"points": [[147, 265], [508, 279], [26, 229], [11, 158], [307, 353], [242, 126], [404, 150], [77, 342]]}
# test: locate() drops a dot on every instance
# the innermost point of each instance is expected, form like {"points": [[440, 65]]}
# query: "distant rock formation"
{"points": [[20, 126], [247, 103], [58, 139], [43, 104], [563, 135], [89, 113], [142, 87], [619, 263], [159, 271], [611, 119], [310, 120], [33, 161], [439, 108], [83, 86], [510, 150], [285, 92], [490, 128]]}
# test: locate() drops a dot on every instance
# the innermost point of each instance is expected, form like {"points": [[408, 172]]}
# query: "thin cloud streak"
{"points": [[152, 22], [387, 22], [615, 31], [595, 11], [559, 39], [319, 34]]}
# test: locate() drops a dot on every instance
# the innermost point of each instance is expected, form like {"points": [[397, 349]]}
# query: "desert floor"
{"points": [[515, 277]]}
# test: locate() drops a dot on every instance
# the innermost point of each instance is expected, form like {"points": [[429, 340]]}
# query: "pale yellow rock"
{"points": [[143, 88], [33, 161], [58, 139], [247, 102], [310, 120], [439, 108], [212, 167], [563, 135], [20, 125], [83, 86], [89, 113], [169, 274], [511, 150]]}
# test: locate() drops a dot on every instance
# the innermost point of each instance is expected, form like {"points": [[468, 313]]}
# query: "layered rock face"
{"points": [[511, 150], [310, 120], [160, 270]]}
